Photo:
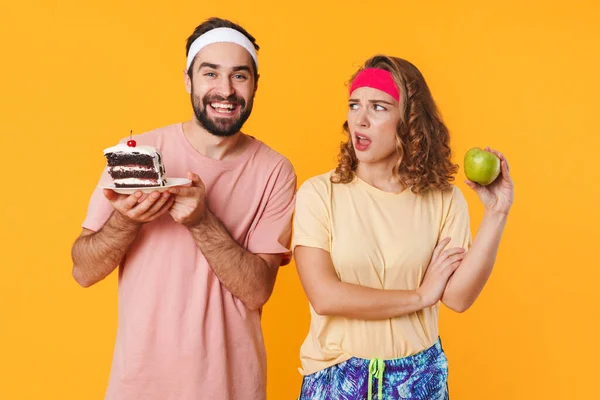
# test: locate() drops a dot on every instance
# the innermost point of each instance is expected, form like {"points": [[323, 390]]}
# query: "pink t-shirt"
{"points": [[181, 334]]}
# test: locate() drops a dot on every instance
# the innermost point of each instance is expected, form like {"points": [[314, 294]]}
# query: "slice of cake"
{"points": [[135, 166]]}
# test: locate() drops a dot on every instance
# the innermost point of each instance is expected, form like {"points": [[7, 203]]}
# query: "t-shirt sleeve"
{"points": [[311, 220], [272, 234], [456, 224], [99, 208]]}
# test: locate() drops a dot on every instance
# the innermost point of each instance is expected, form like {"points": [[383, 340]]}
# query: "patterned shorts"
{"points": [[423, 376]]}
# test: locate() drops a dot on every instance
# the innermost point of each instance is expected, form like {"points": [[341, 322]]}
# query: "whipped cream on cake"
{"points": [[135, 166]]}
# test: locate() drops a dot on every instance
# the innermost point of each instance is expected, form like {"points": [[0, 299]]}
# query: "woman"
{"points": [[382, 239]]}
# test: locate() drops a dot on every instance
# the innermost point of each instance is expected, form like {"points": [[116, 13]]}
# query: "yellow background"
{"points": [[522, 78]]}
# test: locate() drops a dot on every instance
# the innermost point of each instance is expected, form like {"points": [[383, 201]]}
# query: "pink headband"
{"points": [[376, 78]]}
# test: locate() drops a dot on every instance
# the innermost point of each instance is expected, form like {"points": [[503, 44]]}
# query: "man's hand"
{"points": [[189, 208], [140, 210], [97, 254]]}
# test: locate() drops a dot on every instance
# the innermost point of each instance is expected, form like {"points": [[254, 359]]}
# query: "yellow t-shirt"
{"points": [[380, 240]]}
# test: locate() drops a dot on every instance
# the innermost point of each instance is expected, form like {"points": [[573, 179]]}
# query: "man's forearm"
{"points": [[97, 254], [247, 276]]}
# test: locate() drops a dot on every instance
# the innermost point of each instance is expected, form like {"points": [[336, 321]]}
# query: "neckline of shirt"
{"points": [[248, 152]]}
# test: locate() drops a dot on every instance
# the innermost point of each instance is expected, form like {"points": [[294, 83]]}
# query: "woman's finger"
{"points": [[438, 249], [451, 252]]}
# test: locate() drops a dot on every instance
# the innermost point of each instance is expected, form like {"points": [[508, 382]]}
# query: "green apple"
{"points": [[481, 166]]}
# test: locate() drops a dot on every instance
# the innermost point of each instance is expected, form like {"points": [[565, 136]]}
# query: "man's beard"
{"points": [[221, 126]]}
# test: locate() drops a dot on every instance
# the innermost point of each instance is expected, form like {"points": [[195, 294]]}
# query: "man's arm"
{"points": [[249, 277], [96, 254]]}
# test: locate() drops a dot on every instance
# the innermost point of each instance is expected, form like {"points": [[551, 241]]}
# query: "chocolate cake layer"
{"points": [[115, 159]]}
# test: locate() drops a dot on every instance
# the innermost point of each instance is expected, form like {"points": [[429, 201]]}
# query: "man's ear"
{"points": [[187, 81]]}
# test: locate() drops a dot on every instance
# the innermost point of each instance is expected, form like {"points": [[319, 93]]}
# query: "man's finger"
{"points": [[110, 194], [167, 206], [160, 207], [144, 206], [132, 200], [184, 191], [162, 199], [177, 205], [143, 197], [165, 209], [195, 178]]}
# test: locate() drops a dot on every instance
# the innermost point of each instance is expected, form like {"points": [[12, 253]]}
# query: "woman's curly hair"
{"points": [[423, 139]]}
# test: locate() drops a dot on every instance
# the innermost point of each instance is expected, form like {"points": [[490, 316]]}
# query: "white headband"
{"points": [[220, 35]]}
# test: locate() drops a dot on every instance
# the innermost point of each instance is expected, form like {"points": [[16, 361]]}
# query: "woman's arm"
{"points": [[329, 296], [468, 281]]}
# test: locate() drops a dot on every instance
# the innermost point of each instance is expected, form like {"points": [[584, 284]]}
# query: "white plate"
{"points": [[171, 182]]}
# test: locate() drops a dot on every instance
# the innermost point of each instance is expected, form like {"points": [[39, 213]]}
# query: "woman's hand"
{"points": [[498, 196]]}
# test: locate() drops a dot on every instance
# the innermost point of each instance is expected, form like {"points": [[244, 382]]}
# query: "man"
{"points": [[198, 262]]}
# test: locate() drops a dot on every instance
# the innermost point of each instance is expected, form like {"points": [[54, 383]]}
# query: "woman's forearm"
{"points": [[354, 301], [468, 280]]}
